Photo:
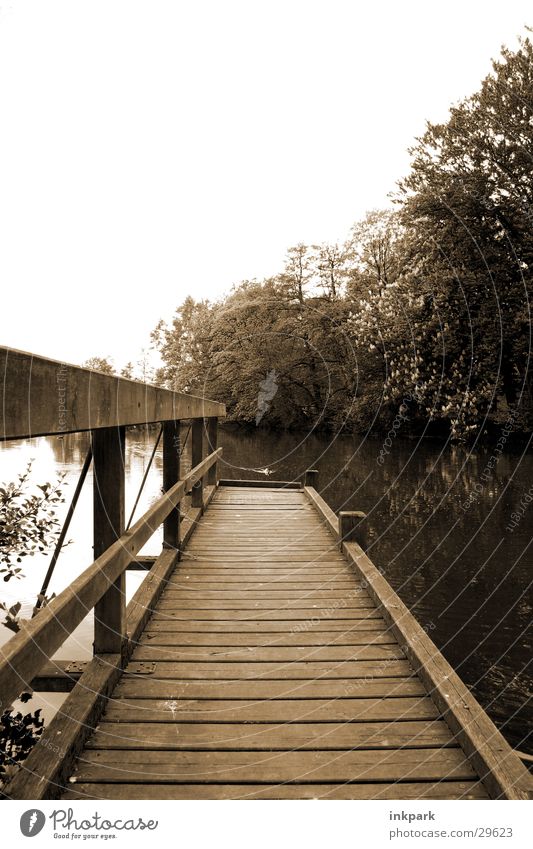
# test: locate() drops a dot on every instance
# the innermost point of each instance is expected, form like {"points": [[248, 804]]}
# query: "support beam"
{"points": [[352, 528], [171, 474], [212, 440], [311, 478], [197, 450], [109, 487]]}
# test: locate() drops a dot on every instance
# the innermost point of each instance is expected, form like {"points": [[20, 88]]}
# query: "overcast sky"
{"points": [[150, 150]]}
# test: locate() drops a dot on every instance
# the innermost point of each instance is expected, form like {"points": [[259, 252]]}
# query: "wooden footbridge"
{"points": [[263, 655]]}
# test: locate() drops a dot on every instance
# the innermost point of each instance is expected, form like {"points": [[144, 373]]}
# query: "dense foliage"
{"points": [[28, 525], [423, 308]]}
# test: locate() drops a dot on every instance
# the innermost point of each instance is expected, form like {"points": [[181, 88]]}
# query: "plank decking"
{"points": [[266, 671]]}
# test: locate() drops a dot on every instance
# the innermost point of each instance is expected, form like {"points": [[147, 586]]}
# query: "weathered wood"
{"points": [[321, 688], [368, 619], [358, 791], [109, 447], [59, 676], [38, 639], [324, 511], [311, 478], [82, 399], [266, 485], [325, 736], [214, 671], [171, 475], [138, 766], [352, 527], [197, 452], [288, 615], [354, 637], [280, 710], [261, 654], [142, 563], [175, 602]]}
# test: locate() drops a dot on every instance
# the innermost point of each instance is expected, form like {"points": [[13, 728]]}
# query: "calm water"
{"points": [[464, 574]]}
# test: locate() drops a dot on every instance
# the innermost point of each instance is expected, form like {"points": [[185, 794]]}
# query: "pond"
{"points": [[450, 528]]}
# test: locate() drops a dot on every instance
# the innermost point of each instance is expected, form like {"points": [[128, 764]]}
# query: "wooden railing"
{"points": [[43, 397]]}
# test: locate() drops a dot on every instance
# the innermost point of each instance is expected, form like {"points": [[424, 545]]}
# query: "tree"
{"points": [[468, 199], [103, 364]]}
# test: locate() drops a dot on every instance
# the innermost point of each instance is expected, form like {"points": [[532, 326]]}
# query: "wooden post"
{"points": [[212, 439], [108, 502], [197, 453], [311, 478], [352, 527], [171, 475]]}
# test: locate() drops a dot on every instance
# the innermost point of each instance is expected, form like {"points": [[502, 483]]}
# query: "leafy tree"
{"points": [[103, 364], [28, 525], [468, 199]]}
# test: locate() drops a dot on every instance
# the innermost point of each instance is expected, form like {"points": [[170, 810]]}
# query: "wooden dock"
{"points": [[263, 656], [273, 675]]}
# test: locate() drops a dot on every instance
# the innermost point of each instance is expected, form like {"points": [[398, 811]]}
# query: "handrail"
{"points": [[44, 397], [38, 639]]}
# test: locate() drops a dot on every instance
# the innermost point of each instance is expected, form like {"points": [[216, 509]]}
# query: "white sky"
{"points": [[150, 150]]}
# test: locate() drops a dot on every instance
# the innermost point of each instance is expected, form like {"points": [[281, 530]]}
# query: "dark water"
{"points": [[461, 570]]}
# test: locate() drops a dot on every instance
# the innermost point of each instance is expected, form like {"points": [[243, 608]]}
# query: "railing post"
{"points": [[108, 500], [212, 439], [171, 474], [197, 454], [311, 478], [352, 527]]}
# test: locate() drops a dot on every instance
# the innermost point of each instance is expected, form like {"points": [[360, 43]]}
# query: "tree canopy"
{"points": [[424, 306]]}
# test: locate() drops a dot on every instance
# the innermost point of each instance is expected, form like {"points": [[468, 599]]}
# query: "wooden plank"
{"points": [[109, 483], [300, 615], [276, 595], [166, 623], [261, 654], [157, 637], [58, 676], [281, 710], [175, 601], [332, 688], [501, 770], [231, 737], [86, 399], [214, 671], [139, 766], [365, 791], [40, 637], [268, 484], [327, 579]]}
